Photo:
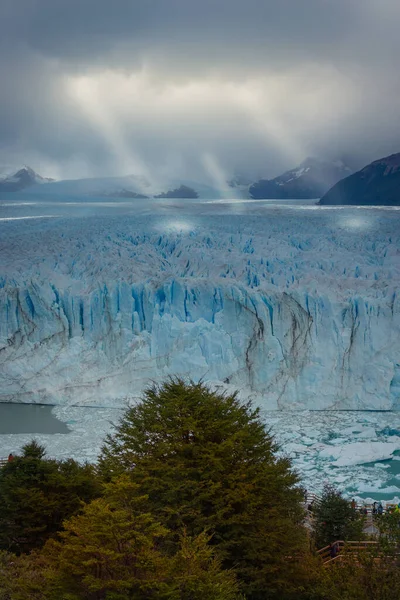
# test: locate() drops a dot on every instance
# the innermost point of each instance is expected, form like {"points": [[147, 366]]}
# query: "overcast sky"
{"points": [[196, 89]]}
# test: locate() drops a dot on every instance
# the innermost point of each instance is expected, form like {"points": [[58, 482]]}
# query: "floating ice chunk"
{"points": [[389, 431], [318, 446], [307, 441], [294, 448], [359, 453], [367, 433], [394, 439], [352, 430], [312, 433], [371, 489], [341, 478], [307, 466], [290, 435]]}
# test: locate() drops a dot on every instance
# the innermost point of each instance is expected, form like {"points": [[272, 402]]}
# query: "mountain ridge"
{"points": [[376, 184], [22, 179], [311, 179]]}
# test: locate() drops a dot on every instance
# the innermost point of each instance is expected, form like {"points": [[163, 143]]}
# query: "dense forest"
{"points": [[189, 500]]}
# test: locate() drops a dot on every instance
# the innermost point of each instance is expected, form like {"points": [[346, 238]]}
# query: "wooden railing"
{"points": [[346, 548], [312, 498], [315, 499]]}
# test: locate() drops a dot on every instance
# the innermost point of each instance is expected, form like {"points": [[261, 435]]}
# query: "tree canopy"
{"points": [[207, 463], [190, 500], [115, 550], [37, 494], [335, 519]]}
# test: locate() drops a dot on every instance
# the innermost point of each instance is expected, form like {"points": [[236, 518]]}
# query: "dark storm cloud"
{"points": [[209, 65], [84, 32]]}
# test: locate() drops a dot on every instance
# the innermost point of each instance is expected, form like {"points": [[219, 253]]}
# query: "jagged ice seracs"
{"points": [[295, 306]]}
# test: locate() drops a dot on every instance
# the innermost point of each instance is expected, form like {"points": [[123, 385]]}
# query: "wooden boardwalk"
{"points": [[353, 548]]}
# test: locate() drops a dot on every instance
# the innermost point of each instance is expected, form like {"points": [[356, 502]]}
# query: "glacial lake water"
{"points": [[29, 418], [78, 432]]}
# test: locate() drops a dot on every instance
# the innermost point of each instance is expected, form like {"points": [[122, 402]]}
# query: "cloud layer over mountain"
{"points": [[196, 89]]}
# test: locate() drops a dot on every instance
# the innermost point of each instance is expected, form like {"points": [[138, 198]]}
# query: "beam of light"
{"points": [[110, 99], [282, 109], [87, 92], [257, 102], [288, 107], [217, 175]]}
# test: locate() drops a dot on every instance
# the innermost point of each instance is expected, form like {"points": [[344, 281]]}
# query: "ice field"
{"points": [[294, 305], [356, 451]]}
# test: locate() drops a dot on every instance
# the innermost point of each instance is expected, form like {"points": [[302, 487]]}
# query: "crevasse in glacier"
{"points": [[92, 315]]}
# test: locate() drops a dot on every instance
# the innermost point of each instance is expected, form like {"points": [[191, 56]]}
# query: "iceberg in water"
{"points": [[359, 453]]}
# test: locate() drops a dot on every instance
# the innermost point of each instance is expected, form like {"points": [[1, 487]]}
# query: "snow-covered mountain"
{"points": [[377, 184], [24, 178], [300, 307], [311, 179]]}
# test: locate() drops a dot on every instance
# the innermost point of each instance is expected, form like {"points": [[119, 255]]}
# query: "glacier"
{"points": [[296, 306]]}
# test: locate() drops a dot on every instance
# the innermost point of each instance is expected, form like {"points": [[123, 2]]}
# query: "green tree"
{"points": [[109, 553], [197, 573], [389, 528], [24, 577], [335, 519], [37, 494], [206, 462], [360, 577], [114, 550]]}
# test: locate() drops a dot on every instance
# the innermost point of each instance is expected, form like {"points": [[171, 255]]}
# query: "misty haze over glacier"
{"points": [[296, 305]]}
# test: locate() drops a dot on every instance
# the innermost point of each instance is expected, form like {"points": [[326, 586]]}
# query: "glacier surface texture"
{"points": [[297, 305]]}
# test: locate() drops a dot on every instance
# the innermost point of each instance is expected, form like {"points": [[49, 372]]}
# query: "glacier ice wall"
{"points": [[91, 314], [297, 350]]}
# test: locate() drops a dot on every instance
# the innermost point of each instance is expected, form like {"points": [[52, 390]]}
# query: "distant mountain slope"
{"points": [[130, 186], [122, 194], [22, 179], [238, 187], [95, 187], [377, 184], [182, 191], [311, 179]]}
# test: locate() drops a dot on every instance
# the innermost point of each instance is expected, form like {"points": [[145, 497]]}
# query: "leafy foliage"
{"points": [[24, 577], [37, 494], [196, 504], [110, 552], [113, 550], [197, 572], [362, 577], [207, 463], [335, 519], [389, 527]]}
